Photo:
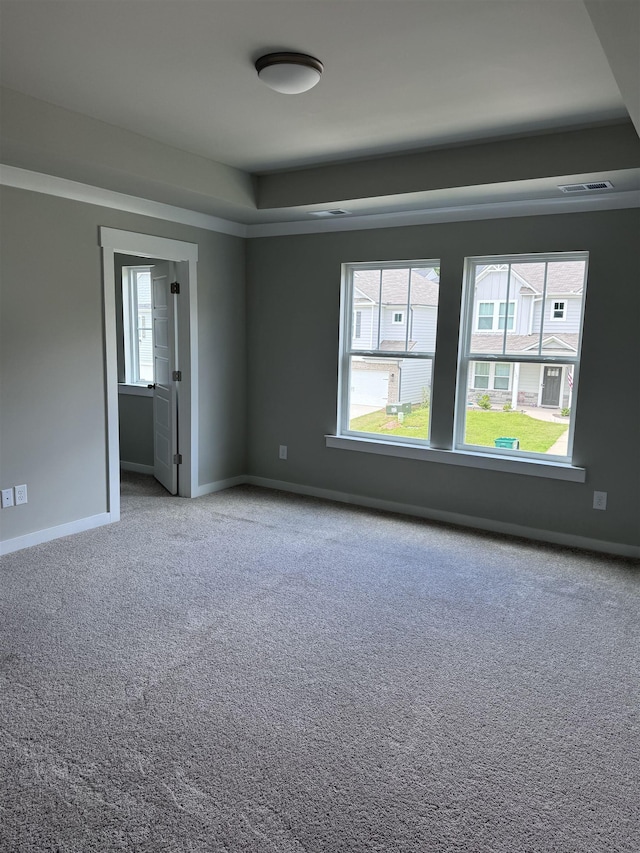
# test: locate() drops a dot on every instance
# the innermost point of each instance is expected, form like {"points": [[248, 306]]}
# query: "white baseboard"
{"points": [[553, 537], [219, 486], [40, 536], [136, 467]]}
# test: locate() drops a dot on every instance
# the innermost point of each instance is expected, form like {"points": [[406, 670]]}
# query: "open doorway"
{"points": [[147, 293], [180, 367]]}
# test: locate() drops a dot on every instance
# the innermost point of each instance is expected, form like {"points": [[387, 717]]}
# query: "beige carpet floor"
{"points": [[253, 672]]}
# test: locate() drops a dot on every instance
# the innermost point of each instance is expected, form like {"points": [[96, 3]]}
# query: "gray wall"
{"points": [[52, 415], [135, 422], [293, 365]]}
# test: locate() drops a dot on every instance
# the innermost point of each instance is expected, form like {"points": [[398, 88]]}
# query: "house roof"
{"points": [[394, 287], [521, 343], [563, 277]]}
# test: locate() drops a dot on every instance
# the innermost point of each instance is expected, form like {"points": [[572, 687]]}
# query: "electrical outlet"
{"points": [[283, 451], [599, 500], [7, 498], [21, 494]]}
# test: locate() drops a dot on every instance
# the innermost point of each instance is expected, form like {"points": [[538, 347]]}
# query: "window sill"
{"points": [[486, 461], [135, 390]]}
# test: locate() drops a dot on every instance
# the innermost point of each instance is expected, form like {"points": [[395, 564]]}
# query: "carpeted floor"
{"points": [[253, 672]]}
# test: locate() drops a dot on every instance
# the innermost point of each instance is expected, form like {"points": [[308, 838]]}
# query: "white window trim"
{"points": [[536, 465], [492, 375], [495, 317], [552, 311], [549, 468], [395, 314], [129, 325], [346, 352], [465, 359]]}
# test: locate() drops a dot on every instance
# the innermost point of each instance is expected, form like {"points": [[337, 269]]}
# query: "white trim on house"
{"points": [[8, 546], [115, 241], [566, 539]]}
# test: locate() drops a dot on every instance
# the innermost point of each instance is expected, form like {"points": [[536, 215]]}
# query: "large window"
{"points": [[138, 325], [386, 387], [518, 357], [517, 378]]}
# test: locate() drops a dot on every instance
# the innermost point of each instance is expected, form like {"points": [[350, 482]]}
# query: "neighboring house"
{"points": [[518, 315], [395, 312], [391, 316]]}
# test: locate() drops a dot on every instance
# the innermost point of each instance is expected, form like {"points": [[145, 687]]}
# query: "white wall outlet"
{"points": [[21, 494], [283, 451], [599, 500], [7, 498]]}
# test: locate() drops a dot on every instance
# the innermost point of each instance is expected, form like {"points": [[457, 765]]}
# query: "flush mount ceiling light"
{"points": [[290, 73]]}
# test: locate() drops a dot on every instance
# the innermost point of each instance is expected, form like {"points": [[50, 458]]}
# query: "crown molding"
{"points": [[63, 188], [459, 213], [25, 179]]}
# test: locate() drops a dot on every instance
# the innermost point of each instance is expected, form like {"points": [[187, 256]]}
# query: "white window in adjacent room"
{"points": [[518, 373], [385, 391], [138, 325]]}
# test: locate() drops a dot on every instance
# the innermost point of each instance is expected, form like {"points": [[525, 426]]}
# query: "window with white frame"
{"points": [[385, 391], [357, 324], [487, 376], [138, 325], [493, 315], [558, 310], [516, 386], [517, 373]]}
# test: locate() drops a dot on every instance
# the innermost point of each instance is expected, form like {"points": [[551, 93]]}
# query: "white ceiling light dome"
{"points": [[289, 73]]}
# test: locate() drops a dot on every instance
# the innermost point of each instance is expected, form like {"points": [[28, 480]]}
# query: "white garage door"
{"points": [[369, 387]]}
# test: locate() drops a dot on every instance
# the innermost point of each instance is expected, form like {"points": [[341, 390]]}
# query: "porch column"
{"points": [[514, 386]]}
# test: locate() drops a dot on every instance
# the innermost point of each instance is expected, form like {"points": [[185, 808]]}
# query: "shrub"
{"points": [[565, 411], [507, 407], [484, 401]]}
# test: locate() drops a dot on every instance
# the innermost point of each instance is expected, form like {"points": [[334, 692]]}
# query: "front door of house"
{"points": [[551, 386]]}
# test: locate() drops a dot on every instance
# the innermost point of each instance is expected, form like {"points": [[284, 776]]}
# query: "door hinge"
{"points": [[177, 458], [175, 287], [177, 376]]}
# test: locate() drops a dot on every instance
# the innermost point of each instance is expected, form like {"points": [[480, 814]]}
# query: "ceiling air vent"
{"points": [[585, 188], [336, 212]]}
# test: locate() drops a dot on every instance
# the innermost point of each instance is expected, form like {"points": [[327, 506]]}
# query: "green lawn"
{"points": [[482, 427]]}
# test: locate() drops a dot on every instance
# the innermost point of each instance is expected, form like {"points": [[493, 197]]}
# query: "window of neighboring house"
{"points": [[508, 382], [137, 325], [486, 316], [491, 376], [357, 324], [385, 391], [558, 311]]}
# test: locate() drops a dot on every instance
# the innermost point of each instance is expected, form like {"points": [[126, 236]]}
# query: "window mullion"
{"points": [[543, 306]]}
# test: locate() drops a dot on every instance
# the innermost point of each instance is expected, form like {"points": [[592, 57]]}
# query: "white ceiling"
{"points": [[399, 74]]}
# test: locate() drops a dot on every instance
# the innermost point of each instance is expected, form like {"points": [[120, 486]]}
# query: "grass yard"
{"points": [[482, 427]]}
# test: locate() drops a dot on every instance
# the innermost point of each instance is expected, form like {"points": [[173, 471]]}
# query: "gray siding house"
{"points": [[397, 312]]}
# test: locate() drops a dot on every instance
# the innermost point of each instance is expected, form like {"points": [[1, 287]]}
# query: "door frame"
{"points": [[115, 241]]}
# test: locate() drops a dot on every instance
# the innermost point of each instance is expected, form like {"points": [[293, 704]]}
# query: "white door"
{"points": [[165, 404]]}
